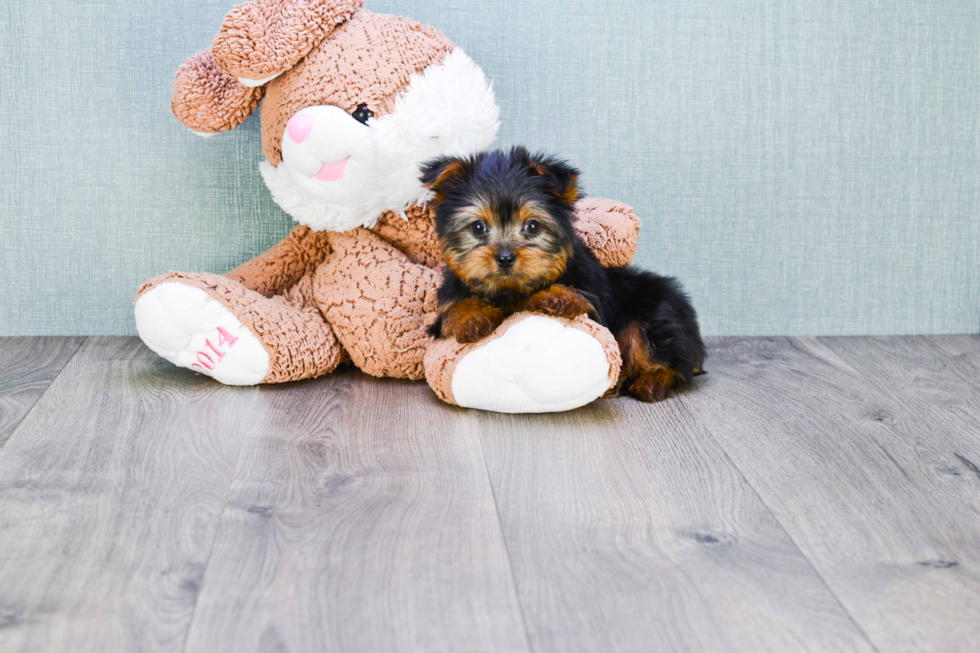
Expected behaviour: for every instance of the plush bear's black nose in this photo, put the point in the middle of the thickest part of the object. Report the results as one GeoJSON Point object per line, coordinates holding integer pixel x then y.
{"type": "Point", "coordinates": [505, 260]}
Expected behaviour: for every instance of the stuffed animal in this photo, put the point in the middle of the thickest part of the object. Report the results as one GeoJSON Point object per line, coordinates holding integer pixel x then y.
{"type": "Point", "coordinates": [353, 104]}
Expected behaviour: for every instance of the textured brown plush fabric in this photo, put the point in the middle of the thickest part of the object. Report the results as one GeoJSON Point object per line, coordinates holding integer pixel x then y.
{"type": "Point", "coordinates": [609, 228]}
{"type": "Point", "coordinates": [207, 100]}
{"type": "Point", "coordinates": [285, 325]}
{"type": "Point", "coordinates": [379, 302]}
{"type": "Point", "coordinates": [443, 355]}
{"type": "Point", "coordinates": [368, 60]}
{"type": "Point", "coordinates": [278, 269]}
{"type": "Point", "coordinates": [416, 236]}
{"type": "Point", "coordinates": [266, 37]}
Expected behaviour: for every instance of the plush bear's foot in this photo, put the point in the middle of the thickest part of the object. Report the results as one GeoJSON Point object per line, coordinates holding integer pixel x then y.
{"type": "Point", "coordinates": [530, 364]}
{"type": "Point", "coordinates": [191, 329]}
{"type": "Point", "coordinates": [215, 325]}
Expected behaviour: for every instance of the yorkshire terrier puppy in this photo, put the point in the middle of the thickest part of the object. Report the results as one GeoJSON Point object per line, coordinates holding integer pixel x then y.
{"type": "Point", "coordinates": [505, 225]}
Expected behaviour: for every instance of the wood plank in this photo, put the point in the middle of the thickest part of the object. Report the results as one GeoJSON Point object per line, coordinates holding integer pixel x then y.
{"type": "Point", "coordinates": [629, 530]}
{"type": "Point", "coordinates": [110, 494]}
{"type": "Point", "coordinates": [361, 519]}
{"type": "Point", "coordinates": [27, 368]}
{"type": "Point", "coordinates": [895, 543]}
{"type": "Point", "coordinates": [937, 401]}
{"type": "Point", "coordinates": [956, 345]}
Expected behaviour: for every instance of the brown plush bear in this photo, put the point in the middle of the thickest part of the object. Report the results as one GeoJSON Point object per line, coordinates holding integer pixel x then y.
{"type": "Point", "coordinates": [354, 102]}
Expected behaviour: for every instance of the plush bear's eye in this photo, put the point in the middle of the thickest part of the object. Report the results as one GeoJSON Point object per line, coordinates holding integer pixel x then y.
{"type": "Point", "coordinates": [362, 114]}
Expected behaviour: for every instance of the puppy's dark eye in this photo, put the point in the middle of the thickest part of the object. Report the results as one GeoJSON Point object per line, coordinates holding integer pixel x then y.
{"type": "Point", "coordinates": [362, 114]}
{"type": "Point", "coordinates": [478, 228]}
{"type": "Point", "coordinates": [532, 227]}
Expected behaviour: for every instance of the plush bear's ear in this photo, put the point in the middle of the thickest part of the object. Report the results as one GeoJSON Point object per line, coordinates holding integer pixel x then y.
{"type": "Point", "coordinates": [209, 101]}
{"type": "Point", "coordinates": [561, 178]}
{"type": "Point", "coordinates": [261, 39]}
{"type": "Point", "coordinates": [440, 174]}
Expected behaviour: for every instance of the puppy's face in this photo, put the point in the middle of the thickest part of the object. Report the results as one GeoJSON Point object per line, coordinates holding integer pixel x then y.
{"type": "Point", "coordinates": [493, 246]}
{"type": "Point", "coordinates": [504, 220]}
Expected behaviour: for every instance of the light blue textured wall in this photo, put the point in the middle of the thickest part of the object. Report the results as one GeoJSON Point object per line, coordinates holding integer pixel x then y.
{"type": "Point", "coordinates": [806, 167]}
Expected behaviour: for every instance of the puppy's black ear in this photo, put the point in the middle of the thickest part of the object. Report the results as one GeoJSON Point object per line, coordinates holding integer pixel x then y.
{"type": "Point", "coordinates": [439, 174]}
{"type": "Point", "coordinates": [561, 178]}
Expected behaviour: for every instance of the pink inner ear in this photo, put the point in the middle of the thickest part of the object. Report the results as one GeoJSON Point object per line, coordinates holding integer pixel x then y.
{"type": "Point", "coordinates": [299, 127]}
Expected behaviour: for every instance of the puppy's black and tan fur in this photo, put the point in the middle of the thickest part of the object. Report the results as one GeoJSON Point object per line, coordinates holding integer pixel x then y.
{"type": "Point", "coordinates": [505, 224]}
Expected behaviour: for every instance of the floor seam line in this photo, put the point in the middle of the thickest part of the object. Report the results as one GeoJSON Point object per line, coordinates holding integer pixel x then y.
{"type": "Point", "coordinates": [23, 419]}
{"type": "Point", "coordinates": [221, 515]}
{"type": "Point", "coordinates": [782, 526]}
{"type": "Point", "coordinates": [503, 539]}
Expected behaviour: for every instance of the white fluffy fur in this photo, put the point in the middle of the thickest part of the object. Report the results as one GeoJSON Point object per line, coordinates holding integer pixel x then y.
{"type": "Point", "coordinates": [448, 110]}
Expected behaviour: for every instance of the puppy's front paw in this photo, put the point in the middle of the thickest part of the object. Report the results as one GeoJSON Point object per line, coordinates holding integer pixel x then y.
{"type": "Point", "coordinates": [560, 301]}
{"type": "Point", "coordinates": [470, 320]}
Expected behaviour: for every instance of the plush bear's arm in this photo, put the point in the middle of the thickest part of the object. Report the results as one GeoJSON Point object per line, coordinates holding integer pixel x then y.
{"type": "Point", "coordinates": [609, 228]}
{"type": "Point", "coordinates": [415, 236]}
{"type": "Point", "coordinates": [279, 268]}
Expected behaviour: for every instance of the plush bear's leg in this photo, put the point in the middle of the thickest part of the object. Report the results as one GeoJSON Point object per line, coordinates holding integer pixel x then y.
{"type": "Point", "coordinates": [216, 326]}
{"type": "Point", "coordinates": [379, 303]}
{"type": "Point", "coordinates": [530, 364]}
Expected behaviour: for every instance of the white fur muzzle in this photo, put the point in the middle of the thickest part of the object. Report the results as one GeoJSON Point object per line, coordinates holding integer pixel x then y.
{"type": "Point", "coordinates": [339, 174]}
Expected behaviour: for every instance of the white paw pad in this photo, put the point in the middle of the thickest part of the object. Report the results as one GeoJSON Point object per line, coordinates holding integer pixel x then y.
{"type": "Point", "coordinates": [191, 329]}
{"type": "Point", "coordinates": [538, 366]}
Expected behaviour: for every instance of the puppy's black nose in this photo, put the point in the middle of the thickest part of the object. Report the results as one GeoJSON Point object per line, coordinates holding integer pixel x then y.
{"type": "Point", "coordinates": [505, 259]}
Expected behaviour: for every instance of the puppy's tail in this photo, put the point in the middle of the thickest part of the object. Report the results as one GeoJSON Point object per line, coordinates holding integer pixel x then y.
{"type": "Point", "coordinates": [659, 306]}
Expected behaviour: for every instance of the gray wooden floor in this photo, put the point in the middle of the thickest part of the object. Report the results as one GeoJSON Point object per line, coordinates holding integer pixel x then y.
{"type": "Point", "coordinates": [807, 495]}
